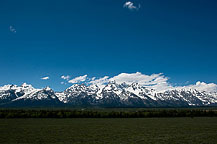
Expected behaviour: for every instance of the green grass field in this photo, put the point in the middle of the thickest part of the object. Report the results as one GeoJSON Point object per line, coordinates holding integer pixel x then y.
{"type": "Point", "coordinates": [111, 130]}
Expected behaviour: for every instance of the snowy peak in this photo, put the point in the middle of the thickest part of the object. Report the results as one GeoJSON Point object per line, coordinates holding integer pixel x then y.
{"type": "Point", "coordinates": [25, 92]}
{"type": "Point", "coordinates": [8, 87]}
{"type": "Point", "coordinates": [25, 85]}
{"type": "Point", "coordinates": [112, 86]}
{"type": "Point", "coordinates": [48, 89]}
{"type": "Point", "coordinates": [77, 88]}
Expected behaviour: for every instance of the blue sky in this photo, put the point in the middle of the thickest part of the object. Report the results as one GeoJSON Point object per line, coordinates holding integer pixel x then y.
{"type": "Point", "coordinates": [43, 38]}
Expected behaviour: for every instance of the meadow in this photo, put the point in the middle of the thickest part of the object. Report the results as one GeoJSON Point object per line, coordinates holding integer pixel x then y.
{"type": "Point", "coordinates": [176, 130]}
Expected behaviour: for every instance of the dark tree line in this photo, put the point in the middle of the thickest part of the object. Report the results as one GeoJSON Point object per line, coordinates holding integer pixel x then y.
{"type": "Point", "coordinates": [26, 113]}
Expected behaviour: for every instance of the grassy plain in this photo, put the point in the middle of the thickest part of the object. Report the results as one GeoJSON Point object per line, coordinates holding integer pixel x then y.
{"type": "Point", "coordinates": [198, 130]}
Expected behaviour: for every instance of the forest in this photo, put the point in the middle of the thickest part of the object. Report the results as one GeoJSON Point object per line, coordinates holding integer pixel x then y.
{"type": "Point", "coordinates": [105, 113]}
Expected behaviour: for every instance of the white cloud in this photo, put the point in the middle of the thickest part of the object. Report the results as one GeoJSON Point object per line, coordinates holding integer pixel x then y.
{"type": "Point", "coordinates": [93, 78]}
{"type": "Point", "coordinates": [131, 6]}
{"type": "Point", "coordinates": [155, 81]}
{"type": "Point", "coordinates": [201, 86]}
{"type": "Point", "coordinates": [78, 79]}
{"type": "Point", "coordinates": [63, 83]}
{"type": "Point", "coordinates": [65, 77]}
{"type": "Point", "coordinates": [12, 29]}
{"type": "Point", "coordinates": [100, 82]}
{"type": "Point", "coordinates": [139, 78]}
{"type": "Point", "coordinates": [158, 82]}
{"type": "Point", "coordinates": [45, 78]}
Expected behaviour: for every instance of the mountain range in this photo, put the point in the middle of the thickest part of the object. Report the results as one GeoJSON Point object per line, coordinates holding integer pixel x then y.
{"type": "Point", "coordinates": [110, 95]}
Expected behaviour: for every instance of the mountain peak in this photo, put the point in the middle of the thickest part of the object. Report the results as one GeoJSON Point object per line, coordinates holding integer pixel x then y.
{"type": "Point", "coordinates": [47, 88]}
{"type": "Point", "coordinates": [25, 85]}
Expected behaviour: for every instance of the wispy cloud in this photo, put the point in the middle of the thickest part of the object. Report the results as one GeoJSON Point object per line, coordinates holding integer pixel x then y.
{"type": "Point", "coordinates": [201, 86]}
{"type": "Point", "coordinates": [131, 6]}
{"type": "Point", "coordinates": [65, 77]}
{"type": "Point", "coordinates": [100, 82]}
{"type": "Point", "coordinates": [63, 83]}
{"type": "Point", "coordinates": [155, 81]}
{"type": "Point", "coordinates": [12, 29]}
{"type": "Point", "coordinates": [45, 78]}
{"type": "Point", "coordinates": [78, 79]}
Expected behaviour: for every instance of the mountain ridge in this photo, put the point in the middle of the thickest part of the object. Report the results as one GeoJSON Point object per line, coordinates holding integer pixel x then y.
{"type": "Point", "coordinates": [111, 94]}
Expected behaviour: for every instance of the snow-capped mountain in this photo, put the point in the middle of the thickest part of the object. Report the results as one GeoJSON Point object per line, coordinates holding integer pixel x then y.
{"type": "Point", "coordinates": [109, 95]}
{"type": "Point", "coordinates": [26, 95]}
